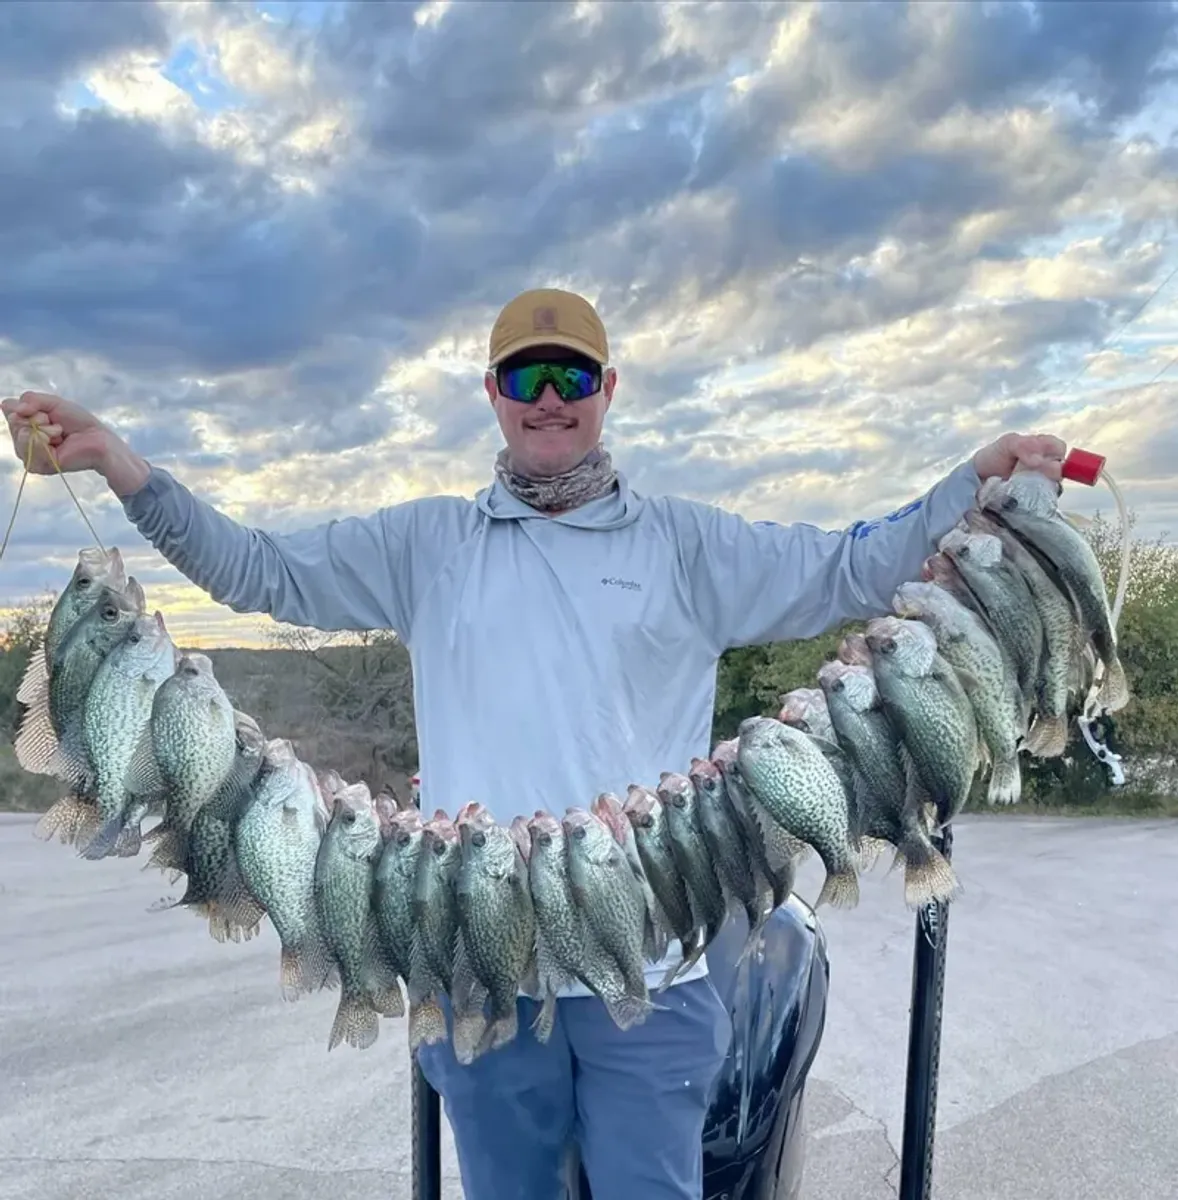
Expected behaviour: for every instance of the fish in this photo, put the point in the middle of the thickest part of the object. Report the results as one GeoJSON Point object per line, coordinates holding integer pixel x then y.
{"type": "Point", "coordinates": [612, 905]}
{"type": "Point", "coordinates": [652, 837]}
{"type": "Point", "coordinates": [215, 887]}
{"type": "Point", "coordinates": [1027, 504]}
{"type": "Point", "coordinates": [801, 791]}
{"type": "Point", "coordinates": [116, 711]}
{"type": "Point", "coordinates": [608, 809]}
{"type": "Point", "coordinates": [1060, 670]}
{"type": "Point", "coordinates": [727, 843]}
{"type": "Point", "coordinates": [967, 645]}
{"type": "Point", "coordinates": [185, 754]}
{"type": "Point", "coordinates": [496, 938]}
{"type": "Point", "coordinates": [343, 887]}
{"type": "Point", "coordinates": [276, 843]}
{"type": "Point", "coordinates": [853, 649]}
{"type": "Point", "coordinates": [392, 892]}
{"type": "Point", "coordinates": [560, 924]}
{"type": "Point", "coordinates": [1003, 598]}
{"type": "Point", "coordinates": [51, 738]}
{"type": "Point", "coordinates": [891, 808]}
{"type": "Point", "coordinates": [709, 907]}
{"type": "Point", "coordinates": [435, 930]}
{"type": "Point", "coordinates": [95, 568]}
{"type": "Point", "coordinates": [805, 709]}
{"type": "Point", "coordinates": [929, 708]}
{"type": "Point", "coordinates": [775, 850]}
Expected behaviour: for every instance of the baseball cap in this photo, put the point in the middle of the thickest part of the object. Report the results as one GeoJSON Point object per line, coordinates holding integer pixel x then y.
{"type": "Point", "coordinates": [548, 317]}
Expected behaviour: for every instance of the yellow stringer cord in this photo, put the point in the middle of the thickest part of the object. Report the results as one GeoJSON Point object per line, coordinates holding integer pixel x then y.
{"type": "Point", "coordinates": [34, 433]}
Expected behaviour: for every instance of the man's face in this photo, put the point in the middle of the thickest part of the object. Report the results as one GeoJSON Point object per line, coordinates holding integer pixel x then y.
{"type": "Point", "coordinates": [550, 435]}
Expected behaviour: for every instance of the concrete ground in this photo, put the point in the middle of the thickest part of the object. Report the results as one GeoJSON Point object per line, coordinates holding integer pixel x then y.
{"type": "Point", "coordinates": [140, 1059]}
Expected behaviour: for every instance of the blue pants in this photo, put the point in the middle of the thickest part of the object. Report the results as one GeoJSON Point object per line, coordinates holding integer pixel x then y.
{"type": "Point", "coordinates": [635, 1102]}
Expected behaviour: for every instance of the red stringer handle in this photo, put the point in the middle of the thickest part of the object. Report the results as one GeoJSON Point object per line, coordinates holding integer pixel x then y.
{"type": "Point", "coordinates": [1082, 466]}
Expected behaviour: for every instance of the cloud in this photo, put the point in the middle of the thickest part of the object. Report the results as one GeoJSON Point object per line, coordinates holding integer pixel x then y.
{"type": "Point", "coordinates": [837, 246]}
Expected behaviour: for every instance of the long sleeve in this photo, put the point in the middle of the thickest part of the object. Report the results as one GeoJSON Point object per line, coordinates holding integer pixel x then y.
{"type": "Point", "coordinates": [758, 582]}
{"type": "Point", "coordinates": [354, 574]}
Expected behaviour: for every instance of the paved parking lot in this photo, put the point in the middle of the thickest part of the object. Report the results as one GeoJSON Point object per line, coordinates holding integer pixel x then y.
{"type": "Point", "coordinates": [140, 1059]}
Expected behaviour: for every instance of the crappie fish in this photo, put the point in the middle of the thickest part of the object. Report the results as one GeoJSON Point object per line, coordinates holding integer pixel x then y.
{"type": "Point", "coordinates": [726, 841]}
{"type": "Point", "coordinates": [276, 842]}
{"type": "Point", "coordinates": [185, 754]}
{"type": "Point", "coordinates": [681, 804]}
{"type": "Point", "coordinates": [435, 925]}
{"type": "Point", "coordinates": [968, 646]}
{"type": "Point", "coordinates": [775, 850]}
{"type": "Point", "coordinates": [1060, 671]}
{"type": "Point", "coordinates": [116, 711]}
{"type": "Point", "coordinates": [51, 737]}
{"type": "Point", "coordinates": [344, 867]}
{"type": "Point", "coordinates": [652, 835]}
{"type": "Point", "coordinates": [392, 893]}
{"type": "Point", "coordinates": [611, 902]}
{"type": "Point", "coordinates": [890, 807]}
{"type": "Point", "coordinates": [929, 709]}
{"type": "Point", "coordinates": [1004, 599]}
{"type": "Point", "coordinates": [805, 709]}
{"type": "Point", "coordinates": [560, 924]}
{"type": "Point", "coordinates": [94, 569]}
{"type": "Point", "coordinates": [497, 933]}
{"type": "Point", "coordinates": [216, 889]}
{"type": "Point", "coordinates": [801, 791]}
{"type": "Point", "coordinates": [1026, 504]}
{"type": "Point", "coordinates": [608, 809]}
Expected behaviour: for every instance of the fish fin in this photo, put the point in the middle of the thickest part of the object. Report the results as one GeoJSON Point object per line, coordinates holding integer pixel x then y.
{"type": "Point", "coordinates": [130, 841]}
{"type": "Point", "coordinates": [306, 966]}
{"type": "Point", "coordinates": [548, 977]}
{"type": "Point", "coordinates": [71, 818]}
{"type": "Point", "coordinates": [840, 889]}
{"type": "Point", "coordinates": [499, 1032]}
{"type": "Point", "coordinates": [545, 1019]}
{"type": "Point", "coordinates": [37, 742]}
{"type": "Point", "coordinates": [427, 1024]}
{"type": "Point", "coordinates": [356, 1022]}
{"type": "Point", "coordinates": [171, 851]}
{"type": "Point", "coordinates": [1005, 781]}
{"type": "Point", "coordinates": [1114, 688]}
{"type": "Point", "coordinates": [35, 680]}
{"type": "Point", "coordinates": [382, 984]}
{"type": "Point", "coordinates": [870, 849]}
{"type": "Point", "coordinates": [142, 777]}
{"type": "Point", "coordinates": [105, 841]}
{"type": "Point", "coordinates": [471, 1030]}
{"type": "Point", "coordinates": [234, 915]}
{"type": "Point", "coordinates": [1047, 737]}
{"type": "Point", "coordinates": [928, 875]}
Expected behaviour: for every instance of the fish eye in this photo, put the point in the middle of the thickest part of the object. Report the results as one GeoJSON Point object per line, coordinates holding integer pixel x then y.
{"type": "Point", "coordinates": [348, 817]}
{"type": "Point", "coordinates": [838, 686]}
{"type": "Point", "coordinates": [134, 639]}
{"type": "Point", "coordinates": [110, 612]}
{"type": "Point", "coordinates": [478, 838]}
{"type": "Point", "coordinates": [1009, 503]}
{"type": "Point", "coordinates": [888, 647]}
{"type": "Point", "coordinates": [439, 847]}
{"type": "Point", "coordinates": [403, 838]}
{"type": "Point", "coordinates": [83, 583]}
{"type": "Point", "coordinates": [579, 832]}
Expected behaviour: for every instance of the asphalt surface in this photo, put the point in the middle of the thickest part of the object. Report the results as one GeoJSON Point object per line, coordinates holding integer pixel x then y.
{"type": "Point", "coordinates": [140, 1059]}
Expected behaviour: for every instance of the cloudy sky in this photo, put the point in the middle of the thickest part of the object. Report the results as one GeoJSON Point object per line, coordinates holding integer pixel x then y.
{"type": "Point", "coordinates": [837, 247]}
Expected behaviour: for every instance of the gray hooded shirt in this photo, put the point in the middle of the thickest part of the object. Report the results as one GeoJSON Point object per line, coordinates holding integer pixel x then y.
{"type": "Point", "coordinates": [554, 658]}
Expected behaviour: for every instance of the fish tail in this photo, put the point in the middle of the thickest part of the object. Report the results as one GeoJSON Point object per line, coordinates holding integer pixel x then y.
{"type": "Point", "coordinates": [356, 1022]}
{"type": "Point", "coordinates": [628, 1011]}
{"type": "Point", "coordinates": [235, 915]}
{"type": "Point", "coordinates": [928, 875]}
{"type": "Point", "coordinates": [1114, 690]}
{"type": "Point", "coordinates": [472, 1032]}
{"type": "Point", "coordinates": [545, 1020]}
{"type": "Point", "coordinates": [1006, 782]}
{"type": "Point", "coordinates": [1048, 736]}
{"type": "Point", "coordinates": [840, 889]}
{"type": "Point", "coordinates": [71, 818]}
{"type": "Point", "coordinates": [388, 999]}
{"type": "Point", "coordinates": [130, 841]}
{"type": "Point", "coordinates": [427, 1024]}
{"type": "Point", "coordinates": [500, 1031]}
{"type": "Point", "coordinates": [105, 842]}
{"type": "Point", "coordinates": [870, 849]}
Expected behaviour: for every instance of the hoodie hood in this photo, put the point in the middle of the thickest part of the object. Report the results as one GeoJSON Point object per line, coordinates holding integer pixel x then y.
{"type": "Point", "coordinates": [619, 507]}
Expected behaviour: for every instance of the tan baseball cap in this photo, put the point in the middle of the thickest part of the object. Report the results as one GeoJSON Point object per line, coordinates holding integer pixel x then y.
{"type": "Point", "coordinates": [548, 317]}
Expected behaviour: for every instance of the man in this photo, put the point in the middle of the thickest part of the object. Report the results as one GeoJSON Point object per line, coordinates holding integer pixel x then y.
{"type": "Point", "coordinates": [564, 633]}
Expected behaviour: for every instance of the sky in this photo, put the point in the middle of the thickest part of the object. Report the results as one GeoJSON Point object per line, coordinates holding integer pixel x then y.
{"type": "Point", "coordinates": [837, 247]}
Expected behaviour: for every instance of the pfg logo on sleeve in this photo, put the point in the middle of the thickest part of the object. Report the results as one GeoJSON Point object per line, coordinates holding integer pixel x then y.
{"type": "Point", "coordinates": [862, 529]}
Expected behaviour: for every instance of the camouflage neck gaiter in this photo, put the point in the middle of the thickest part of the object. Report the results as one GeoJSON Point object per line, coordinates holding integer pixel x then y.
{"type": "Point", "coordinates": [594, 476]}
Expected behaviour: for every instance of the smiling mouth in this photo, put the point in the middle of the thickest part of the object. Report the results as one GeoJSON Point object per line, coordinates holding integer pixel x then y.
{"type": "Point", "coordinates": [549, 428]}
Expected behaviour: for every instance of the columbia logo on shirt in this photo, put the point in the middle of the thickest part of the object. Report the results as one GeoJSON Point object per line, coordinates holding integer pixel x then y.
{"type": "Point", "coordinates": [613, 581]}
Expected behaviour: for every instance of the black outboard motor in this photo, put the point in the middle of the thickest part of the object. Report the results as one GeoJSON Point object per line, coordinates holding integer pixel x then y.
{"type": "Point", "coordinates": [753, 1140]}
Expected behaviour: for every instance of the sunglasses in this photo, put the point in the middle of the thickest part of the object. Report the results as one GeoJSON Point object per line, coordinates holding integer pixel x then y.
{"type": "Point", "coordinates": [526, 382]}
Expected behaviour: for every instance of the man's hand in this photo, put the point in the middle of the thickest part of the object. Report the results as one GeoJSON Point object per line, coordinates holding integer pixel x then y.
{"type": "Point", "coordinates": [78, 439]}
{"type": "Point", "coordinates": [1035, 452]}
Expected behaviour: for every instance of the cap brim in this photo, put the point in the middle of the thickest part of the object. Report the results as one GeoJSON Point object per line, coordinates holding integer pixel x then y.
{"type": "Point", "coordinates": [550, 339]}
